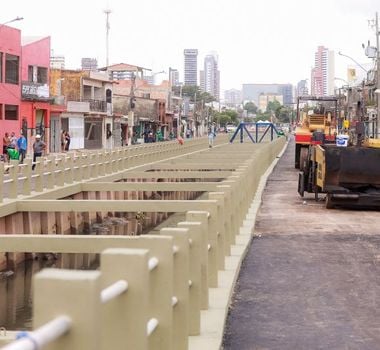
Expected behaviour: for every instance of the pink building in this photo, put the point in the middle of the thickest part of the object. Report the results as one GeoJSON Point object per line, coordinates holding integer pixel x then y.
{"type": "Point", "coordinates": [10, 80]}
{"type": "Point", "coordinates": [24, 89]}
{"type": "Point", "coordinates": [35, 104]}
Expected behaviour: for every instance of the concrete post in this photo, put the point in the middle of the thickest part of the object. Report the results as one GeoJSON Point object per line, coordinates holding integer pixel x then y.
{"type": "Point", "coordinates": [202, 217]}
{"type": "Point", "coordinates": [180, 285]}
{"type": "Point", "coordinates": [13, 174]}
{"type": "Point", "coordinates": [195, 235]}
{"type": "Point", "coordinates": [75, 294]}
{"type": "Point", "coordinates": [223, 246]}
{"type": "Point", "coordinates": [27, 173]}
{"type": "Point", "coordinates": [125, 318]}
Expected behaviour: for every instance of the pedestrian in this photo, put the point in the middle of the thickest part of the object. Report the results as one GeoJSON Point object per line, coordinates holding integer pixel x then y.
{"type": "Point", "coordinates": [6, 143]}
{"type": "Point", "coordinates": [63, 140]}
{"type": "Point", "coordinates": [211, 135]}
{"type": "Point", "coordinates": [22, 146]}
{"type": "Point", "coordinates": [38, 147]}
{"type": "Point", "coordinates": [67, 141]}
{"type": "Point", "coordinates": [13, 140]}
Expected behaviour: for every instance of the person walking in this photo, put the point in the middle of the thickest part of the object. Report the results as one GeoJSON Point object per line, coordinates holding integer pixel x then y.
{"type": "Point", "coordinates": [211, 135]}
{"type": "Point", "coordinates": [22, 146]}
{"type": "Point", "coordinates": [38, 147]}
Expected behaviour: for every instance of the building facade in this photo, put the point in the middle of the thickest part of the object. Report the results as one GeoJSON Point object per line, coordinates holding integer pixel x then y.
{"type": "Point", "coordinates": [57, 62]}
{"type": "Point", "coordinates": [10, 82]}
{"type": "Point", "coordinates": [35, 95]}
{"type": "Point", "coordinates": [264, 99]}
{"type": "Point", "coordinates": [89, 63]}
{"type": "Point", "coordinates": [173, 77]}
{"type": "Point", "coordinates": [24, 86]}
{"type": "Point", "coordinates": [302, 89]}
{"type": "Point", "coordinates": [191, 66]}
{"type": "Point", "coordinates": [211, 76]}
{"type": "Point", "coordinates": [251, 92]}
{"type": "Point", "coordinates": [322, 75]}
{"type": "Point", "coordinates": [233, 97]}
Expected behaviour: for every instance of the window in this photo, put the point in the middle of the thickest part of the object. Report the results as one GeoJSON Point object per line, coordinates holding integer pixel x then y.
{"type": "Point", "coordinates": [37, 74]}
{"type": "Point", "coordinates": [11, 69]}
{"type": "Point", "coordinates": [11, 112]}
{"type": "Point", "coordinates": [42, 75]}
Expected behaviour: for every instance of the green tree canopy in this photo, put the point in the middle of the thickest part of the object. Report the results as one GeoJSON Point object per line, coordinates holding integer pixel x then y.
{"type": "Point", "coordinates": [194, 93]}
{"type": "Point", "coordinates": [250, 107]}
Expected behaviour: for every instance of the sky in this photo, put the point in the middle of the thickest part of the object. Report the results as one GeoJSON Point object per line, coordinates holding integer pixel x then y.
{"type": "Point", "coordinates": [266, 41]}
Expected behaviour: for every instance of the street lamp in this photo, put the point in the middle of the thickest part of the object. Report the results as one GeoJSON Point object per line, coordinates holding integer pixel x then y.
{"type": "Point", "coordinates": [356, 62]}
{"type": "Point", "coordinates": [12, 20]}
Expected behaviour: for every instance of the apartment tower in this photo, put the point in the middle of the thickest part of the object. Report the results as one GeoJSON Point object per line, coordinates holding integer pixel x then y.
{"type": "Point", "coordinates": [211, 74]}
{"type": "Point", "coordinates": [322, 75]}
{"type": "Point", "coordinates": [191, 66]}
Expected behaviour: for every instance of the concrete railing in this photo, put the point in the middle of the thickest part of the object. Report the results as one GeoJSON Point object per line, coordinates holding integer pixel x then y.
{"type": "Point", "coordinates": [59, 170]}
{"type": "Point", "coordinates": [150, 290]}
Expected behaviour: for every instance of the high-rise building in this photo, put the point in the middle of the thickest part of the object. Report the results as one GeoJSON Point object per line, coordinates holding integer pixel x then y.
{"type": "Point", "coordinates": [89, 64]}
{"type": "Point", "coordinates": [322, 75]}
{"type": "Point", "coordinates": [174, 77]}
{"type": "Point", "coordinates": [57, 62]}
{"type": "Point", "coordinates": [302, 89]}
{"type": "Point", "coordinates": [211, 76]}
{"type": "Point", "coordinates": [232, 97]}
{"type": "Point", "coordinates": [202, 80]}
{"type": "Point", "coordinates": [191, 66]}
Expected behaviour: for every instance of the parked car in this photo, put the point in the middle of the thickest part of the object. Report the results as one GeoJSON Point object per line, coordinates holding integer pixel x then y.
{"type": "Point", "coordinates": [231, 128]}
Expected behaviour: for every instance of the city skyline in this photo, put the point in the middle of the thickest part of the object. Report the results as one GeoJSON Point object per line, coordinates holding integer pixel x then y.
{"type": "Point", "coordinates": [270, 47]}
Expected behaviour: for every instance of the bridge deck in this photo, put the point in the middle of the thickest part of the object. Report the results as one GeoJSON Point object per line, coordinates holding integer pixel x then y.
{"type": "Point", "coordinates": [310, 279]}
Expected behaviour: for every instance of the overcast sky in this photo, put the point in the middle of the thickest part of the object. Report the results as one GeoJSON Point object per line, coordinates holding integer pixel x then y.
{"type": "Point", "coordinates": [266, 41]}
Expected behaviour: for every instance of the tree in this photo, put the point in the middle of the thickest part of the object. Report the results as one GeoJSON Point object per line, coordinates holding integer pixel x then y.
{"type": "Point", "coordinates": [194, 93]}
{"type": "Point", "coordinates": [250, 107]}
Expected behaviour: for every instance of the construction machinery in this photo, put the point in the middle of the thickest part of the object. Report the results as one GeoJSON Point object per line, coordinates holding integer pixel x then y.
{"type": "Point", "coordinates": [348, 169]}
{"type": "Point", "coordinates": [314, 114]}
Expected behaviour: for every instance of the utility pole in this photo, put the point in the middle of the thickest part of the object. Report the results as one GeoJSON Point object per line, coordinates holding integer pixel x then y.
{"type": "Point", "coordinates": [131, 114]}
{"type": "Point", "coordinates": [378, 73]}
{"type": "Point", "coordinates": [107, 12]}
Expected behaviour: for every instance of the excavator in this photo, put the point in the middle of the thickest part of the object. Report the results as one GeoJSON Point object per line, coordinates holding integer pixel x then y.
{"type": "Point", "coordinates": [342, 158]}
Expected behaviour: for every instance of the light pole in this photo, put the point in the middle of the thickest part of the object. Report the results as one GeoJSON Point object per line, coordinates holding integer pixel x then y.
{"type": "Point", "coordinates": [377, 73]}
{"type": "Point", "coordinates": [12, 20]}
{"type": "Point", "coordinates": [356, 62]}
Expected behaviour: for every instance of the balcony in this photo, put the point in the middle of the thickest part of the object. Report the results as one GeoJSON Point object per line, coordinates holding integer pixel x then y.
{"type": "Point", "coordinates": [86, 106]}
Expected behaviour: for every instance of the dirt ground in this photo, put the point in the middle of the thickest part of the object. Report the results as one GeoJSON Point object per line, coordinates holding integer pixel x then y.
{"type": "Point", "coordinates": [311, 277]}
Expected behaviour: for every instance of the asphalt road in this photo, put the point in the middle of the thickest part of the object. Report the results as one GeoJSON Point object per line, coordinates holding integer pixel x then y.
{"type": "Point", "coordinates": [311, 277]}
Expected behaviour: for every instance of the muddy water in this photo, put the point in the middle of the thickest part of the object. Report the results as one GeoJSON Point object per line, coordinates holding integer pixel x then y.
{"type": "Point", "coordinates": [16, 289]}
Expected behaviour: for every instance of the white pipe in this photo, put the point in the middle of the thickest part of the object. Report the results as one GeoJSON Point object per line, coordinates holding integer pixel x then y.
{"type": "Point", "coordinates": [152, 263]}
{"type": "Point", "coordinates": [113, 291]}
{"type": "Point", "coordinates": [174, 301]}
{"type": "Point", "coordinates": [42, 336]}
{"type": "Point", "coordinates": [190, 283]}
{"type": "Point", "coordinates": [151, 326]}
{"type": "Point", "coordinates": [209, 247]}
